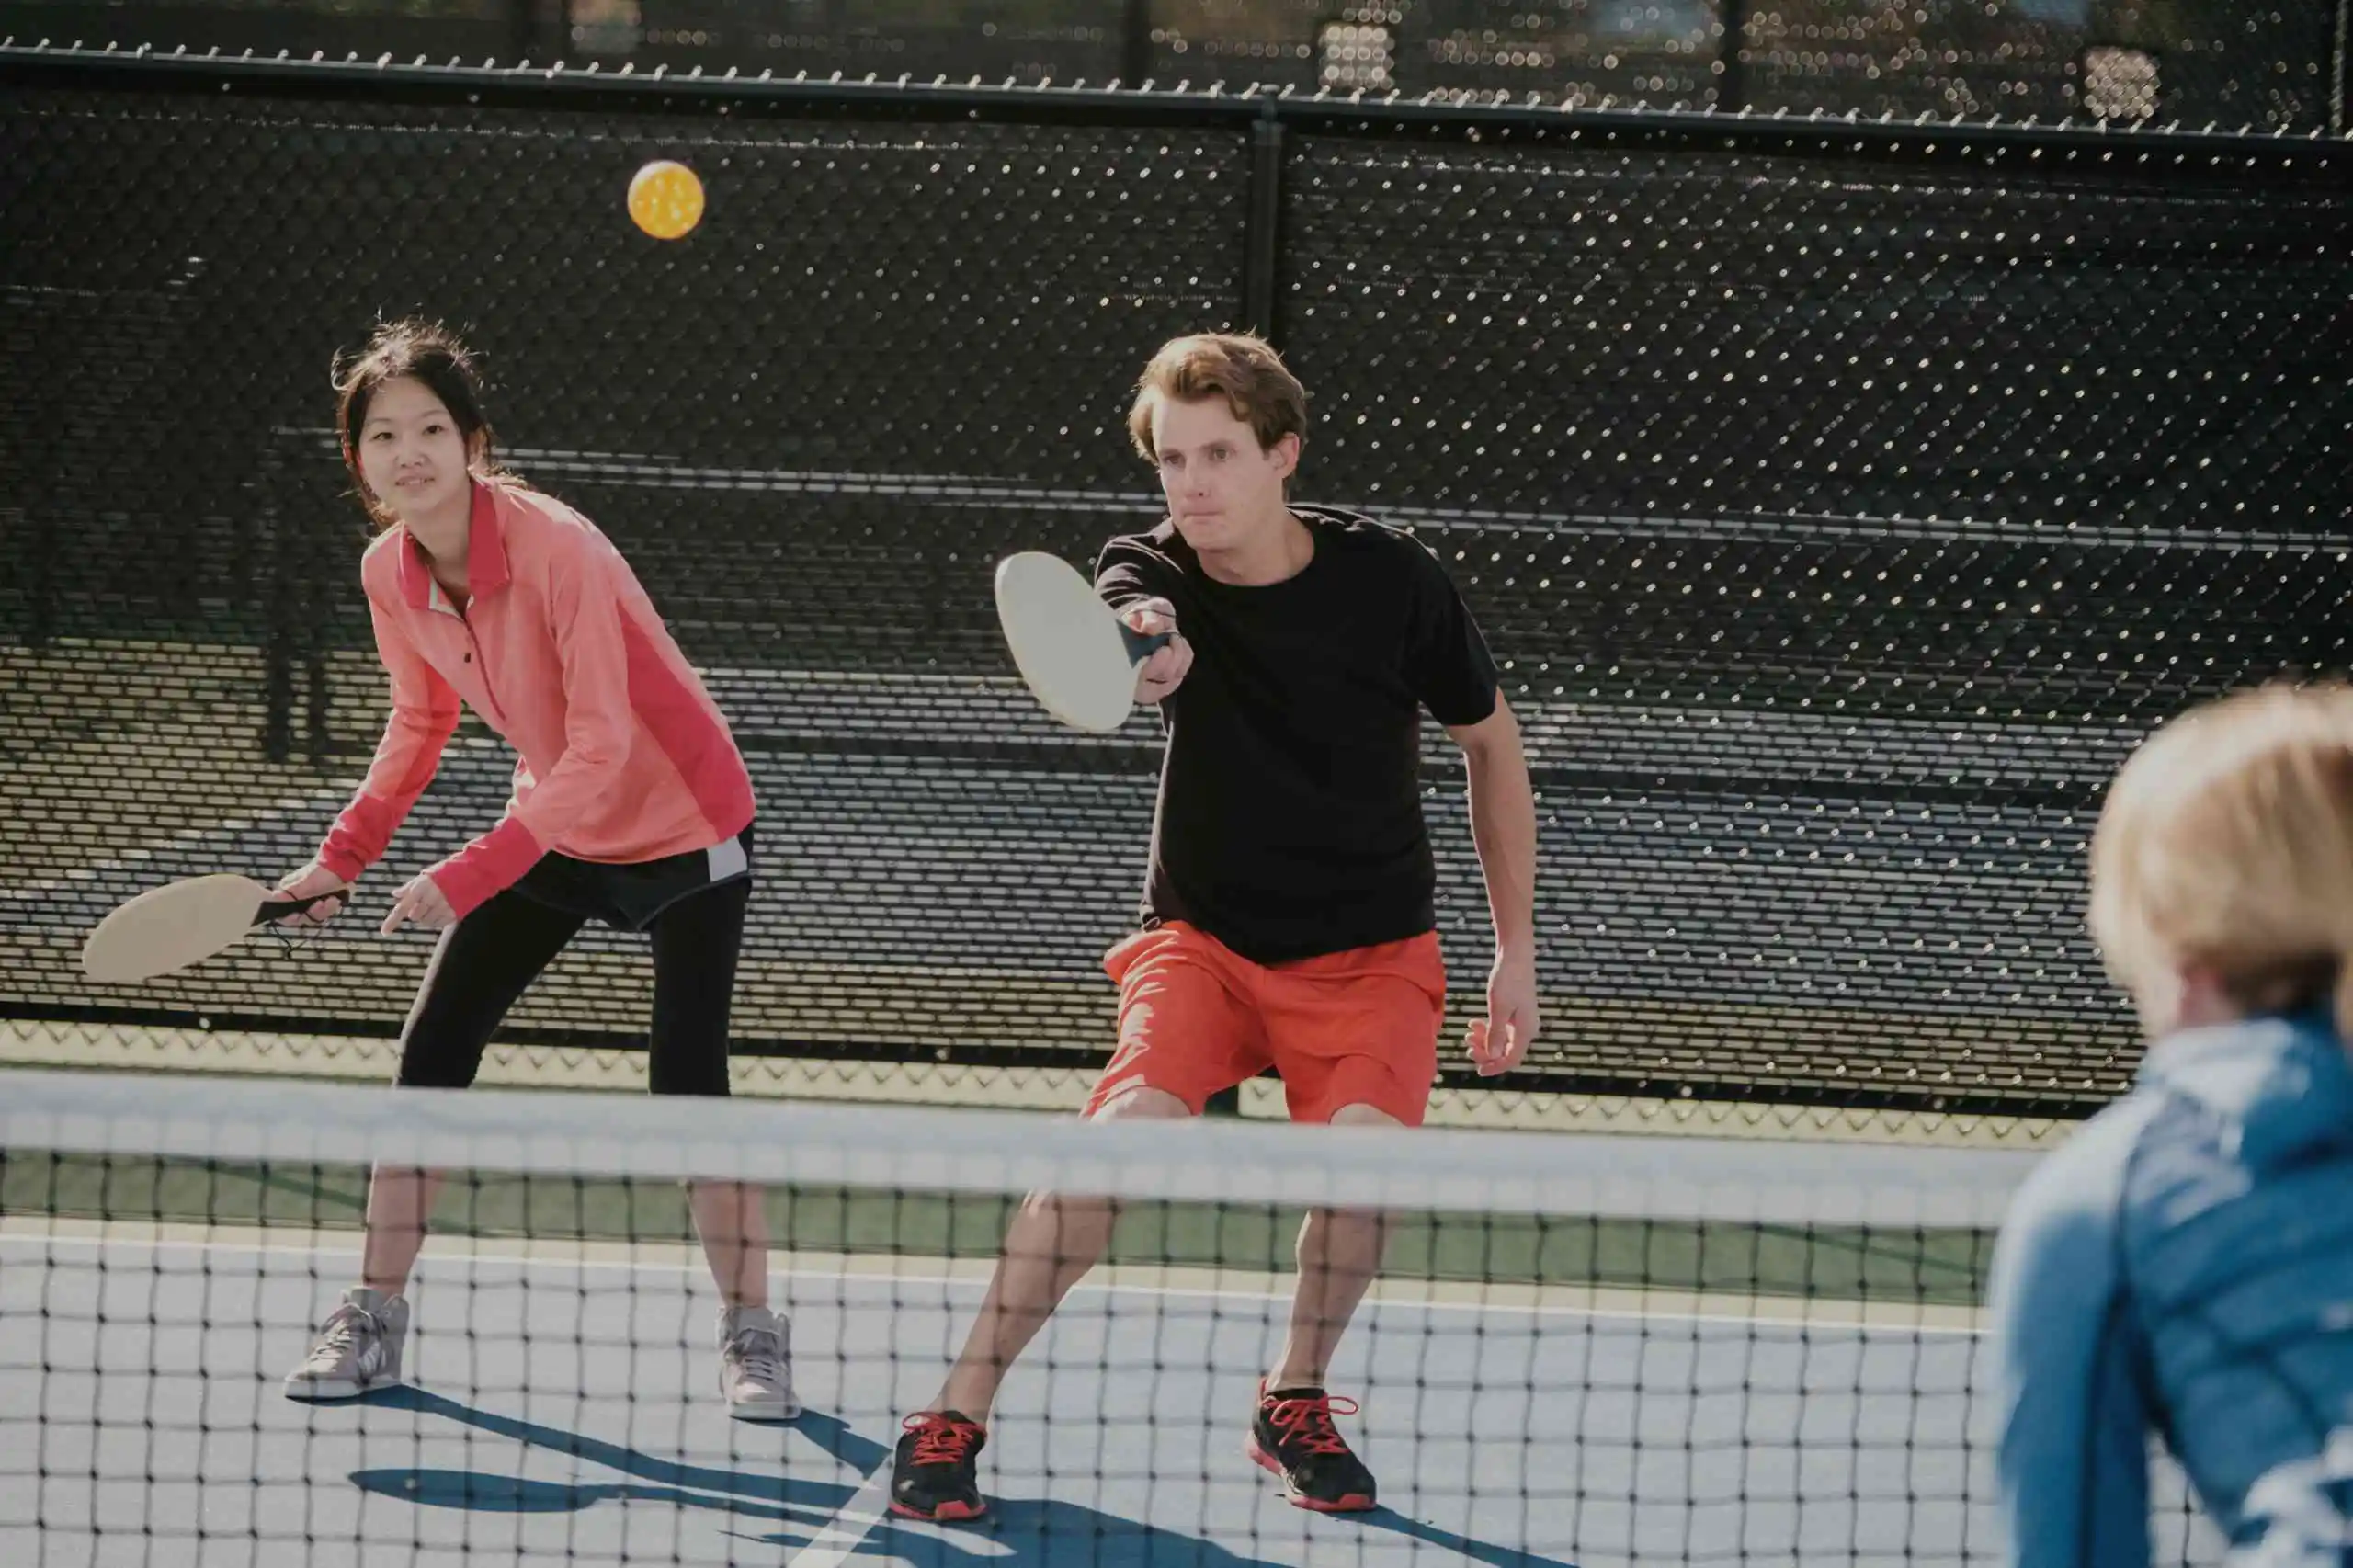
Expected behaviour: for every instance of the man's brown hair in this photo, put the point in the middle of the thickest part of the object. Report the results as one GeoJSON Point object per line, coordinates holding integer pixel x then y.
{"type": "Point", "coordinates": [1238, 367]}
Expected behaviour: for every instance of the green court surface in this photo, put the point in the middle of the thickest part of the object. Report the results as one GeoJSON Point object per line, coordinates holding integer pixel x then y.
{"type": "Point", "coordinates": [1841, 1265]}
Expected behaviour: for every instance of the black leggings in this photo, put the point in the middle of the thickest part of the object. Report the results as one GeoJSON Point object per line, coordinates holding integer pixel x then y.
{"type": "Point", "coordinates": [487, 960]}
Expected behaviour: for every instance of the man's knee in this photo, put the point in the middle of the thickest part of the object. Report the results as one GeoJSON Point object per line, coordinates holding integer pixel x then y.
{"type": "Point", "coordinates": [1375, 1221]}
{"type": "Point", "coordinates": [1062, 1228]}
{"type": "Point", "coordinates": [1079, 1215]}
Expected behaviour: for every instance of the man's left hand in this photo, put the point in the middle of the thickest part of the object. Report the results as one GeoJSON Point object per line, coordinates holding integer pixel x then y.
{"type": "Point", "coordinates": [1498, 1042]}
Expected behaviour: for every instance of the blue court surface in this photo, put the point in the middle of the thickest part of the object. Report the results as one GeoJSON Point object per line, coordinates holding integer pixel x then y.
{"type": "Point", "coordinates": [563, 1409]}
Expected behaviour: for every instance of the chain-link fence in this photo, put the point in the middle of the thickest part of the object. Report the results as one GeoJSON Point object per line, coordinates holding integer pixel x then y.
{"type": "Point", "coordinates": [1842, 504]}
{"type": "Point", "coordinates": [2195, 63]}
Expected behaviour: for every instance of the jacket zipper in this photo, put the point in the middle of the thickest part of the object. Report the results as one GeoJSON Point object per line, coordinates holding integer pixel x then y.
{"type": "Point", "coordinates": [473, 657]}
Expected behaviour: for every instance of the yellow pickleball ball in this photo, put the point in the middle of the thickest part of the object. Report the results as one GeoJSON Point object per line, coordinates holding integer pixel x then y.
{"type": "Point", "coordinates": [666, 200]}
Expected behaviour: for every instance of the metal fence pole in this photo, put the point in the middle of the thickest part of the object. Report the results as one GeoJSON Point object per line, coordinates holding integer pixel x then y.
{"type": "Point", "coordinates": [40, 527]}
{"type": "Point", "coordinates": [2340, 97]}
{"type": "Point", "coordinates": [280, 604]}
{"type": "Point", "coordinates": [1731, 80]}
{"type": "Point", "coordinates": [1261, 281]}
{"type": "Point", "coordinates": [1135, 43]}
{"type": "Point", "coordinates": [1262, 244]}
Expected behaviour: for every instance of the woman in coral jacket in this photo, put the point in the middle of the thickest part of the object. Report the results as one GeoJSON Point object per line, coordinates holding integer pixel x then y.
{"type": "Point", "coordinates": [632, 806]}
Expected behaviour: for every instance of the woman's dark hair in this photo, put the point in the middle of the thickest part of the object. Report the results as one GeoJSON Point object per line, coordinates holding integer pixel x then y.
{"type": "Point", "coordinates": [422, 351]}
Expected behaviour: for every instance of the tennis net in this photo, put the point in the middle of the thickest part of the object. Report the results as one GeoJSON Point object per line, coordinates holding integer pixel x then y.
{"type": "Point", "coordinates": [1583, 1350]}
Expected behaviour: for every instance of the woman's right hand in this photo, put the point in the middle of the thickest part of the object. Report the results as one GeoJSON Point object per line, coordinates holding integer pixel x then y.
{"type": "Point", "coordinates": [309, 882]}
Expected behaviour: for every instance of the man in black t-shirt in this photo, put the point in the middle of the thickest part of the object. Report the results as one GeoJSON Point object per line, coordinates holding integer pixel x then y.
{"type": "Point", "coordinates": [1288, 917]}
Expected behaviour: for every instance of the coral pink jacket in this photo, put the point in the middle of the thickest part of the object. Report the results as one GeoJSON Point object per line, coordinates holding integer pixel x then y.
{"type": "Point", "coordinates": [623, 755]}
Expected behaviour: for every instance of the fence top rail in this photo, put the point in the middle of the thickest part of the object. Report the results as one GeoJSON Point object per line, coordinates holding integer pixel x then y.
{"type": "Point", "coordinates": [1494, 117]}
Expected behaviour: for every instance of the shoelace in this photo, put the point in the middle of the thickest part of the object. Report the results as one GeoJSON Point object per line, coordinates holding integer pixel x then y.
{"type": "Point", "coordinates": [760, 1352]}
{"type": "Point", "coordinates": [1307, 1423]}
{"type": "Point", "coordinates": [345, 1326]}
{"type": "Point", "coordinates": [941, 1441]}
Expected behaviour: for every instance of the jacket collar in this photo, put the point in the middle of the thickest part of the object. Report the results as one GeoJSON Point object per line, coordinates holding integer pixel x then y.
{"type": "Point", "coordinates": [486, 570]}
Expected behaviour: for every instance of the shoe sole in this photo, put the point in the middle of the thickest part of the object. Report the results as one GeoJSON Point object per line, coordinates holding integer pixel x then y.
{"type": "Point", "coordinates": [945, 1514]}
{"type": "Point", "coordinates": [1354, 1503]}
{"type": "Point", "coordinates": [330, 1393]}
{"type": "Point", "coordinates": [771, 1413]}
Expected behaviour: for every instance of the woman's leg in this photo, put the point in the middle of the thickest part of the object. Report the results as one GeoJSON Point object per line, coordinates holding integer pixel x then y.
{"type": "Point", "coordinates": [696, 943]}
{"type": "Point", "coordinates": [481, 965]}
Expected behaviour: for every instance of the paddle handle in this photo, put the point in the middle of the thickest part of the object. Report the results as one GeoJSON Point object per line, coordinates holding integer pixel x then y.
{"type": "Point", "coordinates": [278, 910]}
{"type": "Point", "coordinates": [1143, 646]}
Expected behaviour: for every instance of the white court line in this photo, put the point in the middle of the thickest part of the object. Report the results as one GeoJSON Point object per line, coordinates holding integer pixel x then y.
{"type": "Point", "coordinates": [830, 1547]}
{"type": "Point", "coordinates": [1973, 1327]}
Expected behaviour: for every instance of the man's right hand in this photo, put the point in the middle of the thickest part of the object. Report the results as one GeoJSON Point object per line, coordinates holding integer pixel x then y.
{"type": "Point", "coordinates": [1160, 673]}
{"type": "Point", "coordinates": [308, 882]}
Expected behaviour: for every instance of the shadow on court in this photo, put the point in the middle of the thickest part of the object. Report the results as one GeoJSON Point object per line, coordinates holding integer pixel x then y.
{"type": "Point", "coordinates": [1017, 1533]}
{"type": "Point", "coordinates": [1029, 1531]}
{"type": "Point", "coordinates": [653, 1480]}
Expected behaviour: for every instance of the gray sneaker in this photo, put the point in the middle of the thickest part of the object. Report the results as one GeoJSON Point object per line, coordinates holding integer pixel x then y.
{"type": "Point", "coordinates": [359, 1348]}
{"type": "Point", "coordinates": [755, 1365]}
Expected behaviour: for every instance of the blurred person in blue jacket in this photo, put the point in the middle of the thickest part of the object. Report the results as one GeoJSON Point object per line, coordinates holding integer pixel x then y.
{"type": "Point", "coordinates": [2183, 1266]}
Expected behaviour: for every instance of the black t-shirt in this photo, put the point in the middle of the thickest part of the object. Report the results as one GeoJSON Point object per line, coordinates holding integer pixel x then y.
{"type": "Point", "coordinates": [1290, 818]}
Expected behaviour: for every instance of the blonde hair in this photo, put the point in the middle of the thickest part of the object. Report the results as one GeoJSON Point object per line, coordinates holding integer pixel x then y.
{"type": "Point", "coordinates": [1239, 366]}
{"type": "Point", "coordinates": [2226, 845]}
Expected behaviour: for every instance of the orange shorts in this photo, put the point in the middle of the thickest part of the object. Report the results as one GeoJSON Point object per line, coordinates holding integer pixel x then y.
{"type": "Point", "coordinates": [1356, 1028]}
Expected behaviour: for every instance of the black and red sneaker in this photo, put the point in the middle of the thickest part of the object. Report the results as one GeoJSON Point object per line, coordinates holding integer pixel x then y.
{"type": "Point", "coordinates": [935, 1475]}
{"type": "Point", "coordinates": [1292, 1434]}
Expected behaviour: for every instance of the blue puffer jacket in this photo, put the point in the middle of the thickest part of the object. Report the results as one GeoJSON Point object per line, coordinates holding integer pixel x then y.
{"type": "Point", "coordinates": [2184, 1266]}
